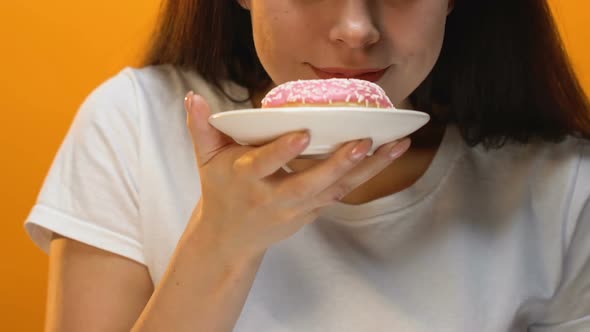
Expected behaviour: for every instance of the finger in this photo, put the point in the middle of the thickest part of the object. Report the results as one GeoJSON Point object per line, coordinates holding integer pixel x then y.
{"type": "Point", "coordinates": [207, 140]}
{"type": "Point", "coordinates": [269, 158]}
{"type": "Point", "coordinates": [312, 181]}
{"type": "Point", "coordinates": [362, 173]}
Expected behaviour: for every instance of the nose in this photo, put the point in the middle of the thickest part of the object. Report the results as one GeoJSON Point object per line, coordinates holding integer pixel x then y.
{"type": "Point", "coordinates": [355, 26]}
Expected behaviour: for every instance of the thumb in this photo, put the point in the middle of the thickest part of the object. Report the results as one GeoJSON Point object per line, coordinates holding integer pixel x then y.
{"type": "Point", "coordinates": [207, 140]}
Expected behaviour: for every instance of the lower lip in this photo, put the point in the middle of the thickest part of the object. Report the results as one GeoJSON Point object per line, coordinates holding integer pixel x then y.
{"type": "Point", "coordinates": [372, 77]}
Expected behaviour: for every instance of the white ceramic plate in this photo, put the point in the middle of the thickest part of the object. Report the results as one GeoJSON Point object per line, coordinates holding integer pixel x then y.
{"type": "Point", "coordinates": [329, 127]}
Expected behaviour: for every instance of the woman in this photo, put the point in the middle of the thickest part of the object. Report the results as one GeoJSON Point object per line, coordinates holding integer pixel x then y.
{"type": "Point", "coordinates": [158, 222]}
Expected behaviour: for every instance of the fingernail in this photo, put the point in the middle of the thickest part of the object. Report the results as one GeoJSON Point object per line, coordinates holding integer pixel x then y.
{"type": "Point", "coordinates": [399, 148]}
{"type": "Point", "coordinates": [361, 149]}
{"type": "Point", "coordinates": [188, 100]}
{"type": "Point", "coordinates": [300, 140]}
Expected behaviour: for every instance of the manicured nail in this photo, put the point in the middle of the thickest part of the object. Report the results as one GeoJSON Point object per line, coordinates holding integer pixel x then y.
{"type": "Point", "coordinates": [399, 148]}
{"type": "Point", "coordinates": [188, 100]}
{"type": "Point", "coordinates": [361, 149]}
{"type": "Point", "coordinates": [300, 140]}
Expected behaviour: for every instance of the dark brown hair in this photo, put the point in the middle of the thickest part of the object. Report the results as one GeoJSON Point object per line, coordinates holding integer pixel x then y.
{"type": "Point", "coordinates": [502, 75]}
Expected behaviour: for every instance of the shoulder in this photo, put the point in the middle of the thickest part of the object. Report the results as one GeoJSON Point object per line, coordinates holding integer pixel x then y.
{"type": "Point", "coordinates": [150, 82]}
{"type": "Point", "coordinates": [166, 84]}
{"type": "Point", "coordinates": [547, 175]}
{"type": "Point", "coordinates": [158, 82]}
{"type": "Point", "coordinates": [534, 157]}
{"type": "Point", "coordinates": [554, 176]}
{"type": "Point", "coordinates": [152, 93]}
{"type": "Point", "coordinates": [580, 195]}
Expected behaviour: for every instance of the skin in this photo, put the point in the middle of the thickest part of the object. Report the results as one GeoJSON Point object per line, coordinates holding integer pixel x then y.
{"type": "Point", "coordinates": [95, 290]}
{"type": "Point", "coordinates": [404, 35]}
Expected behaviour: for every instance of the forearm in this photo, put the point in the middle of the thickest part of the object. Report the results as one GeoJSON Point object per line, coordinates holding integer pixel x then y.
{"type": "Point", "coordinates": [200, 291]}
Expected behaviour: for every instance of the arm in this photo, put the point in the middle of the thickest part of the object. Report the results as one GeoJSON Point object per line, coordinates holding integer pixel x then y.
{"type": "Point", "coordinates": [94, 290]}
{"type": "Point", "coordinates": [569, 309]}
{"type": "Point", "coordinates": [193, 298]}
{"type": "Point", "coordinates": [216, 260]}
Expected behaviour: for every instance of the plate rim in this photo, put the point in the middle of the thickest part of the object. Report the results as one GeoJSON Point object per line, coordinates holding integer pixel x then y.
{"type": "Point", "coordinates": [218, 119]}
{"type": "Point", "coordinates": [306, 109]}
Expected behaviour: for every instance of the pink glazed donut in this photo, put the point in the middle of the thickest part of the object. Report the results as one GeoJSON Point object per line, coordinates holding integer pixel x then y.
{"type": "Point", "coordinates": [329, 92]}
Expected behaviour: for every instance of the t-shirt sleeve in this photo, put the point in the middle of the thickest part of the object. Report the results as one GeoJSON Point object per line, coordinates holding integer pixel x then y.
{"type": "Point", "coordinates": [90, 193]}
{"type": "Point", "coordinates": [569, 310]}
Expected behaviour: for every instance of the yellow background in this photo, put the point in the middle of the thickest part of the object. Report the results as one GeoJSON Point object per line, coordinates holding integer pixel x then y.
{"type": "Point", "coordinates": [53, 54]}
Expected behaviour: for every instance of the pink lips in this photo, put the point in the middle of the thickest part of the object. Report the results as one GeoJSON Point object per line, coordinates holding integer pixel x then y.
{"type": "Point", "coordinates": [369, 74]}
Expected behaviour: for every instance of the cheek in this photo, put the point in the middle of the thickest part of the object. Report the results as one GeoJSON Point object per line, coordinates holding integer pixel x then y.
{"type": "Point", "coordinates": [420, 32]}
{"type": "Point", "coordinates": [264, 34]}
{"type": "Point", "coordinates": [416, 43]}
{"type": "Point", "coordinates": [279, 36]}
{"type": "Point", "coordinates": [427, 46]}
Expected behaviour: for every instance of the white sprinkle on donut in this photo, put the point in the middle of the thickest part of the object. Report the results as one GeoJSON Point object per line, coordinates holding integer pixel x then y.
{"type": "Point", "coordinates": [326, 92]}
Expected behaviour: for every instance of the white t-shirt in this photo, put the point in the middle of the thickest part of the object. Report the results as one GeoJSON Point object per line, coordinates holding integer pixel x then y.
{"type": "Point", "coordinates": [485, 241]}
